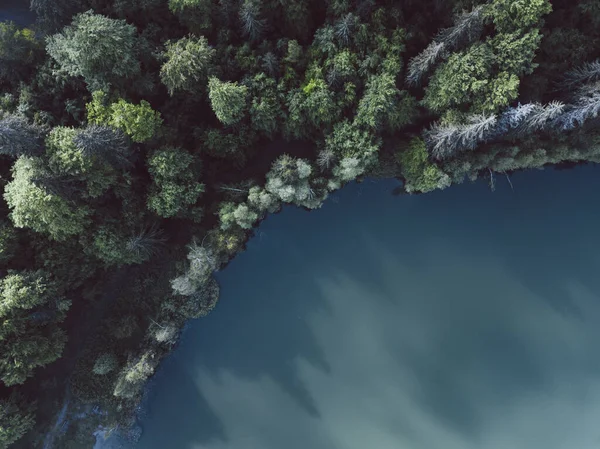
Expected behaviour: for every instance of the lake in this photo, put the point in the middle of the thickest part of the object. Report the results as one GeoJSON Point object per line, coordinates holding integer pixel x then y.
{"type": "Point", "coordinates": [17, 11]}
{"type": "Point", "coordinates": [462, 319]}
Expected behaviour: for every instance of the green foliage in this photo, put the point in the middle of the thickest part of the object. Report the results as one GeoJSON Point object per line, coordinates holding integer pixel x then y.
{"type": "Point", "coordinates": [111, 245]}
{"type": "Point", "coordinates": [514, 53]}
{"type": "Point", "coordinates": [18, 49]}
{"type": "Point", "coordinates": [513, 15]}
{"type": "Point", "coordinates": [419, 173]}
{"type": "Point", "coordinates": [486, 76]}
{"type": "Point", "coordinates": [196, 14]}
{"type": "Point", "coordinates": [99, 49]}
{"type": "Point", "coordinates": [175, 188]}
{"type": "Point", "coordinates": [384, 106]}
{"type": "Point", "coordinates": [353, 150]}
{"type": "Point", "coordinates": [238, 214]}
{"type": "Point", "coordinates": [265, 108]}
{"type": "Point", "coordinates": [105, 363]}
{"type": "Point", "coordinates": [16, 418]}
{"type": "Point", "coordinates": [187, 63]}
{"type": "Point", "coordinates": [319, 104]}
{"type": "Point", "coordinates": [44, 212]}
{"type": "Point", "coordinates": [8, 242]}
{"type": "Point", "coordinates": [65, 158]}
{"type": "Point", "coordinates": [228, 100]}
{"type": "Point", "coordinates": [29, 339]}
{"type": "Point", "coordinates": [140, 122]}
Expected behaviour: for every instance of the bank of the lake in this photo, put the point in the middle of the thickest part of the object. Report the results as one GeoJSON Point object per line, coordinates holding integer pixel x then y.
{"type": "Point", "coordinates": [458, 319]}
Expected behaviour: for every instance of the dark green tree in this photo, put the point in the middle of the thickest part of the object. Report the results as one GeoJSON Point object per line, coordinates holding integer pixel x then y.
{"type": "Point", "coordinates": [30, 310]}
{"type": "Point", "coordinates": [175, 188]}
{"type": "Point", "coordinates": [16, 418]}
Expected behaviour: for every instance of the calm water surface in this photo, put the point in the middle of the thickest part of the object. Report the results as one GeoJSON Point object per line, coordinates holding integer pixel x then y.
{"type": "Point", "coordinates": [17, 11]}
{"type": "Point", "coordinates": [463, 319]}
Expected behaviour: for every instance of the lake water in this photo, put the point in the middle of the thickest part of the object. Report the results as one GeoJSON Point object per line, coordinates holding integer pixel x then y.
{"type": "Point", "coordinates": [17, 11]}
{"type": "Point", "coordinates": [462, 319]}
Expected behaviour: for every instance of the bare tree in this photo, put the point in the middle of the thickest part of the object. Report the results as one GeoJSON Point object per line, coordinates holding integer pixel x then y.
{"type": "Point", "coordinates": [467, 28]}
{"type": "Point", "coordinates": [252, 23]}
{"type": "Point", "coordinates": [421, 64]}
{"type": "Point", "coordinates": [586, 108]}
{"type": "Point", "coordinates": [104, 142]}
{"type": "Point", "coordinates": [345, 27]}
{"type": "Point", "coordinates": [586, 73]}
{"type": "Point", "coordinates": [19, 137]}
{"type": "Point", "coordinates": [447, 140]}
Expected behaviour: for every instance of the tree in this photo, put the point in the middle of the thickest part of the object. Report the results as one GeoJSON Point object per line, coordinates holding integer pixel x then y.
{"type": "Point", "coordinates": [30, 309]}
{"type": "Point", "coordinates": [265, 109]}
{"type": "Point", "coordinates": [44, 212]}
{"type": "Point", "coordinates": [16, 418]}
{"type": "Point", "coordinates": [187, 63]}
{"type": "Point", "coordinates": [448, 139]}
{"type": "Point", "coordinates": [354, 150]}
{"type": "Point", "coordinates": [515, 15]}
{"type": "Point", "coordinates": [99, 49]}
{"type": "Point", "coordinates": [238, 214]}
{"type": "Point", "coordinates": [140, 122]}
{"type": "Point", "coordinates": [202, 263]}
{"type": "Point", "coordinates": [228, 100]}
{"type": "Point", "coordinates": [196, 14]}
{"type": "Point", "coordinates": [19, 137]}
{"type": "Point", "coordinates": [383, 105]}
{"type": "Point", "coordinates": [105, 363]}
{"type": "Point", "coordinates": [253, 25]}
{"type": "Point", "coordinates": [588, 72]}
{"type": "Point", "coordinates": [114, 246]}
{"type": "Point", "coordinates": [18, 48]}
{"type": "Point", "coordinates": [175, 187]}
{"type": "Point", "coordinates": [420, 175]}
{"type": "Point", "coordinates": [133, 376]}
{"type": "Point", "coordinates": [69, 163]}
{"type": "Point", "coordinates": [8, 242]}
{"type": "Point", "coordinates": [103, 143]}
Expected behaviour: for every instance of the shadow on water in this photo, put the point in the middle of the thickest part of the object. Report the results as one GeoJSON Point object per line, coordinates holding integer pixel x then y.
{"type": "Point", "coordinates": [462, 319]}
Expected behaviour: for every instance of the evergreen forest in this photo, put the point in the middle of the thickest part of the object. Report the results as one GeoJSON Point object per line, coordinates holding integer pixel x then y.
{"type": "Point", "coordinates": [142, 141]}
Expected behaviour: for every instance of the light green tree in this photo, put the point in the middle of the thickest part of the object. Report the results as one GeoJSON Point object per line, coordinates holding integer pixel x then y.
{"type": "Point", "coordinates": [140, 122]}
{"type": "Point", "coordinates": [34, 207]}
{"type": "Point", "coordinates": [187, 63]}
{"type": "Point", "coordinates": [99, 49]}
{"type": "Point", "coordinates": [228, 100]}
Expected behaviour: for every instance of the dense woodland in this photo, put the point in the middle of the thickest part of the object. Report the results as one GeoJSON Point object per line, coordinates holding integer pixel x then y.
{"type": "Point", "coordinates": [141, 141]}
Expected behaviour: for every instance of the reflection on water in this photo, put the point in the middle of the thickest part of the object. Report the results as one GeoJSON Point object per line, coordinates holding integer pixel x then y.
{"type": "Point", "coordinates": [464, 319]}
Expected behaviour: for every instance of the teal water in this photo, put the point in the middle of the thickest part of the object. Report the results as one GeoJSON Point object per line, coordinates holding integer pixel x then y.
{"type": "Point", "coordinates": [462, 319]}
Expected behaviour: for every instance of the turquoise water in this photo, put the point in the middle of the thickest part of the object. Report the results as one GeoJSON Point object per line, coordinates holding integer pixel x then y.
{"type": "Point", "coordinates": [463, 319]}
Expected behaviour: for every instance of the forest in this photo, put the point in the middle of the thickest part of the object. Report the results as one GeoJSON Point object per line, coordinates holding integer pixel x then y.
{"type": "Point", "coordinates": [142, 141]}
